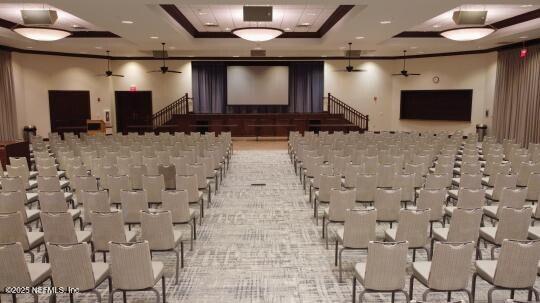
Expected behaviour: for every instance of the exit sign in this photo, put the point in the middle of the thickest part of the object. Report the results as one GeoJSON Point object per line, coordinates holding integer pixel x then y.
{"type": "Point", "coordinates": [523, 53]}
{"type": "Point", "coordinates": [133, 88]}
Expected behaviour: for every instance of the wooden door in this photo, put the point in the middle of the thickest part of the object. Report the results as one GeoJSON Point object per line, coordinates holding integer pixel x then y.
{"type": "Point", "coordinates": [69, 110]}
{"type": "Point", "coordinates": [133, 110]}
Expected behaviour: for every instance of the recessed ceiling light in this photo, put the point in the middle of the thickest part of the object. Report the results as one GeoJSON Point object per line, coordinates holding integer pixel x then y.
{"type": "Point", "coordinates": [236, 56]}
{"type": "Point", "coordinates": [436, 25]}
{"type": "Point", "coordinates": [99, 47]}
{"type": "Point", "coordinates": [523, 37]}
{"type": "Point", "coordinates": [359, 37]}
{"type": "Point", "coordinates": [227, 28]}
{"type": "Point", "coordinates": [414, 47]}
{"type": "Point", "coordinates": [287, 28]}
{"type": "Point", "coordinates": [154, 37]}
{"type": "Point", "coordinates": [385, 22]}
{"type": "Point", "coordinates": [76, 26]}
{"type": "Point", "coordinates": [29, 47]}
{"type": "Point", "coordinates": [127, 22]}
{"type": "Point", "coordinates": [210, 24]}
{"type": "Point", "coordinates": [201, 13]}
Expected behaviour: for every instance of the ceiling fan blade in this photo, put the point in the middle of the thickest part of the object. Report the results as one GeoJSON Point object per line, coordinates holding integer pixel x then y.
{"type": "Point", "coordinates": [397, 74]}
{"type": "Point", "coordinates": [174, 71]}
{"type": "Point", "coordinates": [117, 75]}
{"type": "Point", "coordinates": [154, 71]}
{"type": "Point", "coordinates": [358, 70]}
{"type": "Point", "coordinates": [414, 74]}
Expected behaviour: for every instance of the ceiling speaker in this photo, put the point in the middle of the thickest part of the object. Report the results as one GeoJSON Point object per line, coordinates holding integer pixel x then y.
{"type": "Point", "coordinates": [470, 17]}
{"type": "Point", "coordinates": [39, 17]}
{"type": "Point", "coordinates": [258, 53]}
{"type": "Point", "coordinates": [258, 13]}
{"type": "Point", "coordinates": [160, 54]}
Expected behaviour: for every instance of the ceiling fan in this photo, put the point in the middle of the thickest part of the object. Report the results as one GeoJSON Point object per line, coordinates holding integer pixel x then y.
{"type": "Point", "coordinates": [349, 68]}
{"type": "Point", "coordinates": [164, 69]}
{"type": "Point", "coordinates": [404, 72]}
{"type": "Point", "coordinates": [108, 72]}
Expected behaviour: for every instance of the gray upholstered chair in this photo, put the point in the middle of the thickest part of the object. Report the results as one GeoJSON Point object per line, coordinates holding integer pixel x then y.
{"type": "Point", "coordinates": [157, 228]}
{"type": "Point", "coordinates": [327, 182]}
{"type": "Point", "coordinates": [203, 184]}
{"type": "Point", "coordinates": [169, 175]}
{"type": "Point", "coordinates": [406, 183]}
{"type": "Point", "coordinates": [385, 175]}
{"type": "Point", "coordinates": [12, 230]}
{"type": "Point", "coordinates": [510, 197]}
{"type": "Point", "coordinates": [515, 269]}
{"type": "Point", "coordinates": [384, 270]}
{"type": "Point", "coordinates": [135, 175]}
{"type": "Point", "coordinates": [176, 201]}
{"type": "Point", "coordinates": [116, 185]}
{"type": "Point", "coordinates": [16, 272]}
{"type": "Point", "coordinates": [133, 201]}
{"type": "Point", "coordinates": [340, 201]}
{"type": "Point", "coordinates": [465, 227]}
{"type": "Point", "coordinates": [153, 185]}
{"type": "Point", "coordinates": [58, 228]}
{"type": "Point", "coordinates": [106, 227]}
{"type": "Point", "coordinates": [14, 201]}
{"type": "Point", "coordinates": [143, 277]}
{"type": "Point", "coordinates": [366, 185]}
{"type": "Point", "coordinates": [432, 199]}
{"type": "Point", "coordinates": [388, 204]}
{"type": "Point", "coordinates": [315, 182]}
{"type": "Point", "coordinates": [467, 198]}
{"type": "Point", "coordinates": [501, 181]}
{"type": "Point", "coordinates": [513, 224]}
{"type": "Point", "coordinates": [72, 266]}
{"type": "Point", "coordinates": [356, 233]}
{"type": "Point", "coordinates": [448, 271]}
{"type": "Point", "coordinates": [17, 184]}
{"type": "Point", "coordinates": [413, 227]}
{"type": "Point", "coordinates": [55, 201]}
{"type": "Point", "coordinates": [195, 196]}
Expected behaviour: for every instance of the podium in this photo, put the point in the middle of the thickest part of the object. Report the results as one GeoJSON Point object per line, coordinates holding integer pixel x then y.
{"type": "Point", "coordinates": [95, 127]}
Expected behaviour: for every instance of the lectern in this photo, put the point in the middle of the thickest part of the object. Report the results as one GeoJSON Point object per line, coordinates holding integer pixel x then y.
{"type": "Point", "coordinates": [95, 127]}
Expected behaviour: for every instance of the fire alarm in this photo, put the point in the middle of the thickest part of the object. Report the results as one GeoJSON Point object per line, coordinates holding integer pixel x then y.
{"type": "Point", "coordinates": [523, 53]}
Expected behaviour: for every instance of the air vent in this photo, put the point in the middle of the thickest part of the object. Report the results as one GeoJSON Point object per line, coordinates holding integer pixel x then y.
{"type": "Point", "coordinates": [258, 13]}
{"type": "Point", "coordinates": [160, 54]}
{"type": "Point", "coordinates": [353, 53]}
{"type": "Point", "coordinates": [258, 53]}
{"type": "Point", "coordinates": [39, 17]}
{"type": "Point", "coordinates": [209, 24]}
{"type": "Point", "coordinates": [303, 25]}
{"type": "Point", "coordinates": [469, 17]}
{"type": "Point", "coordinates": [78, 27]}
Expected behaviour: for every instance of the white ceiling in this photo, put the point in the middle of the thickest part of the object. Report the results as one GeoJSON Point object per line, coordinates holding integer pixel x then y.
{"type": "Point", "coordinates": [286, 17]}
{"type": "Point", "coordinates": [363, 20]}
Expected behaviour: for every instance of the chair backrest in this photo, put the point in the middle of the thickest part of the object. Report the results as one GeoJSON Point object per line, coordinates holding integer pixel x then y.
{"type": "Point", "coordinates": [13, 201]}
{"type": "Point", "coordinates": [437, 181]}
{"type": "Point", "coordinates": [517, 264]}
{"type": "Point", "coordinates": [360, 227]}
{"type": "Point", "coordinates": [471, 181]}
{"type": "Point", "coordinates": [327, 183]}
{"type": "Point", "coordinates": [513, 224]}
{"type": "Point", "coordinates": [388, 203]}
{"type": "Point", "coordinates": [169, 175]}
{"type": "Point", "coordinates": [418, 171]}
{"type": "Point", "coordinates": [18, 171]}
{"type": "Point", "coordinates": [465, 225]}
{"type": "Point", "coordinates": [71, 265]}
{"type": "Point", "coordinates": [153, 185]}
{"type": "Point", "coordinates": [386, 265]}
{"type": "Point", "coordinates": [188, 183]}
{"type": "Point", "coordinates": [340, 201]}
{"type": "Point", "coordinates": [503, 181]}
{"type": "Point", "coordinates": [157, 229]}
{"type": "Point", "coordinates": [58, 228]}
{"type": "Point", "coordinates": [48, 183]}
{"type": "Point", "coordinates": [197, 169]}
{"type": "Point", "coordinates": [12, 229]}
{"type": "Point", "coordinates": [13, 268]}
{"type": "Point", "coordinates": [132, 204]}
{"type": "Point", "coordinates": [151, 164]}
{"type": "Point", "coordinates": [135, 175]}
{"type": "Point", "coordinates": [52, 201]}
{"type": "Point", "coordinates": [107, 226]}
{"type": "Point", "coordinates": [18, 161]}
{"type": "Point", "coordinates": [351, 172]}
{"type": "Point", "coordinates": [386, 174]}
{"type": "Point", "coordinates": [525, 171]}
{"type": "Point", "coordinates": [95, 201]}
{"type": "Point", "coordinates": [533, 187]}
{"type": "Point", "coordinates": [432, 199]}
{"type": "Point", "coordinates": [116, 185]}
{"type": "Point", "coordinates": [366, 184]}
{"type": "Point", "coordinates": [413, 227]}
{"type": "Point", "coordinates": [180, 165]}
{"type": "Point", "coordinates": [406, 183]}
{"type": "Point", "coordinates": [471, 168]}
{"type": "Point", "coordinates": [176, 201]}
{"type": "Point", "coordinates": [512, 197]}
{"type": "Point", "coordinates": [85, 183]}
{"type": "Point", "coordinates": [12, 184]}
{"type": "Point", "coordinates": [471, 198]}
{"type": "Point", "coordinates": [124, 274]}
{"type": "Point", "coordinates": [47, 171]}
{"type": "Point", "coordinates": [450, 265]}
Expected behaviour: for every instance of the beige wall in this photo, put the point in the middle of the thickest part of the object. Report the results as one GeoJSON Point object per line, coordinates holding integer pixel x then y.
{"type": "Point", "coordinates": [359, 90]}
{"type": "Point", "coordinates": [374, 92]}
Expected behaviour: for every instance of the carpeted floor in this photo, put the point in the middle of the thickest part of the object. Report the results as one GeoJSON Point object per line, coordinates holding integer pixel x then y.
{"type": "Point", "coordinates": [260, 244]}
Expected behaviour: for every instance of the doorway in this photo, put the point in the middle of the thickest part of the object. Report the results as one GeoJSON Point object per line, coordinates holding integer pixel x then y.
{"type": "Point", "coordinates": [69, 110]}
{"type": "Point", "coordinates": [133, 110]}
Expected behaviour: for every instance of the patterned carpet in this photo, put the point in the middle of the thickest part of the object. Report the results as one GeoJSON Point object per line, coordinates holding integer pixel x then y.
{"type": "Point", "coordinates": [260, 244]}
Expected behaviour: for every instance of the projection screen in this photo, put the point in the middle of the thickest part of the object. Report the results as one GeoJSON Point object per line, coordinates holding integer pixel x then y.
{"type": "Point", "coordinates": [257, 85]}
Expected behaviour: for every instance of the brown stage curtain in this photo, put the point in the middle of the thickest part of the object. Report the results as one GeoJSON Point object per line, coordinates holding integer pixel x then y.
{"type": "Point", "coordinates": [517, 96]}
{"type": "Point", "coordinates": [8, 115]}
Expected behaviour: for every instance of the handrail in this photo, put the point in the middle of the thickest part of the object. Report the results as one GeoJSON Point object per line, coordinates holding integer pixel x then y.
{"type": "Point", "coordinates": [336, 106]}
{"type": "Point", "coordinates": [178, 107]}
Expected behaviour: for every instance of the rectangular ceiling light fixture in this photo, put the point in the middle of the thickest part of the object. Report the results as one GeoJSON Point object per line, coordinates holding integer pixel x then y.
{"type": "Point", "coordinates": [258, 13]}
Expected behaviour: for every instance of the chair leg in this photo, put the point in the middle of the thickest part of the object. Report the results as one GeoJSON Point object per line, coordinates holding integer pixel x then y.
{"type": "Point", "coordinates": [192, 235]}
{"type": "Point", "coordinates": [493, 252]}
{"type": "Point", "coordinates": [353, 289]}
{"type": "Point", "coordinates": [124, 296]}
{"type": "Point", "coordinates": [405, 294]}
{"type": "Point", "coordinates": [490, 294]}
{"type": "Point", "coordinates": [411, 287]}
{"type": "Point", "coordinates": [339, 264]}
{"type": "Point", "coordinates": [163, 286]}
{"type": "Point", "coordinates": [110, 289]}
{"type": "Point", "coordinates": [323, 224]}
{"type": "Point", "coordinates": [469, 295]}
{"type": "Point", "coordinates": [473, 287]}
{"type": "Point", "coordinates": [336, 258]}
